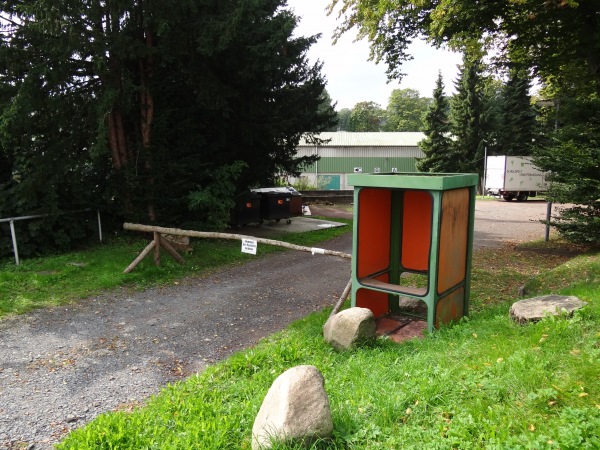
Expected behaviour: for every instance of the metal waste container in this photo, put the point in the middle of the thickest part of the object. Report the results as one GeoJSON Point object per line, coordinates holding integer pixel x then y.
{"type": "Point", "coordinates": [275, 204]}
{"type": "Point", "coordinates": [295, 202]}
{"type": "Point", "coordinates": [246, 210]}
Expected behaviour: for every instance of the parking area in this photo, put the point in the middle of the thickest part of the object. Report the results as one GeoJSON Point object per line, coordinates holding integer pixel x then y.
{"type": "Point", "coordinates": [496, 221]}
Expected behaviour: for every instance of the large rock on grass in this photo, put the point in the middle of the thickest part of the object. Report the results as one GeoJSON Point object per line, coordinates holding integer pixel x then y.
{"type": "Point", "coordinates": [296, 408]}
{"type": "Point", "coordinates": [536, 308]}
{"type": "Point", "coordinates": [350, 327]}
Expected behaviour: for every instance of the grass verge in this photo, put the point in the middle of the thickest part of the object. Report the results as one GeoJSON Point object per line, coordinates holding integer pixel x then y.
{"type": "Point", "coordinates": [65, 278]}
{"type": "Point", "coordinates": [485, 382]}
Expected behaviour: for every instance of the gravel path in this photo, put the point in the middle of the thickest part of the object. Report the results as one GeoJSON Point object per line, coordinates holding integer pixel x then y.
{"type": "Point", "coordinates": [61, 367]}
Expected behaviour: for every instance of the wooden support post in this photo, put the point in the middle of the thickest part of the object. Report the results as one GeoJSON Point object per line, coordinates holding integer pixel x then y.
{"type": "Point", "coordinates": [157, 248]}
{"type": "Point", "coordinates": [342, 299]}
{"type": "Point", "coordinates": [141, 256]}
{"type": "Point", "coordinates": [171, 250]}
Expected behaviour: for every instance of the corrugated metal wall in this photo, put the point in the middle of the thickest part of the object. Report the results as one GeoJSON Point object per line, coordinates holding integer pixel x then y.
{"type": "Point", "coordinates": [361, 152]}
{"type": "Point", "coordinates": [345, 159]}
{"type": "Point", "coordinates": [342, 160]}
{"type": "Point", "coordinates": [368, 164]}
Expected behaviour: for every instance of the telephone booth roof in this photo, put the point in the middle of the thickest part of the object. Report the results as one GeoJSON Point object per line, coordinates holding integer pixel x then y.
{"type": "Point", "coordinates": [422, 181]}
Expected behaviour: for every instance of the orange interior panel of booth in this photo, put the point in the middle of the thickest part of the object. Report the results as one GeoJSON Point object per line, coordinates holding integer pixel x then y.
{"type": "Point", "coordinates": [416, 230]}
{"type": "Point", "coordinates": [454, 232]}
{"type": "Point", "coordinates": [373, 250]}
{"type": "Point", "coordinates": [374, 219]}
{"type": "Point", "coordinates": [376, 301]}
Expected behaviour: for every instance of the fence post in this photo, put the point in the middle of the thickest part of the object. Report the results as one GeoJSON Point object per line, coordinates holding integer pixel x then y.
{"type": "Point", "coordinates": [548, 217]}
{"type": "Point", "coordinates": [14, 241]}
{"type": "Point", "coordinates": [99, 226]}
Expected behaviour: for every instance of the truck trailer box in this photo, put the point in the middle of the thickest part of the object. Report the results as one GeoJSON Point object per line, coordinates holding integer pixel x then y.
{"type": "Point", "coordinates": [513, 177]}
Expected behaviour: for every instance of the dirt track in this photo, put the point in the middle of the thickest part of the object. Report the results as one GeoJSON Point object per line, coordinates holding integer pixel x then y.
{"type": "Point", "coordinates": [61, 367]}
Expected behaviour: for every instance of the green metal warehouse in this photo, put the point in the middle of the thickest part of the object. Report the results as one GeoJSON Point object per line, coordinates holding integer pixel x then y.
{"type": "Point", "coordinates": [348, 152]}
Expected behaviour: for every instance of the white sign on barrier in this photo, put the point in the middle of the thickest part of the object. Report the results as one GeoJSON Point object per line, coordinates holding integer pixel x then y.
{"type": "Point", "coordinates": [249, 246]}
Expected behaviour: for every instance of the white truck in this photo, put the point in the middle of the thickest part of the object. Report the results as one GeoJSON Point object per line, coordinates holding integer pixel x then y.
{"type": "Point", "coordinates": [513, 177]}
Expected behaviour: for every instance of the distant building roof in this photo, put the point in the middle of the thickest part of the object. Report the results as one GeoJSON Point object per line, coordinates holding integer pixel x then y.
{"type": "Point", "coordinates": [368, 139]}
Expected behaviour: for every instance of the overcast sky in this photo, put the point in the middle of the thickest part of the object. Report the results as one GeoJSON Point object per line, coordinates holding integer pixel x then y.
{"type": "Point", "coordinates": [351, 77]}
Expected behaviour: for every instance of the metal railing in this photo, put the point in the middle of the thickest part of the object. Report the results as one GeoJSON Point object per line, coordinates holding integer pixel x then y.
{"type": "Point", "coordinates": [13, 234]}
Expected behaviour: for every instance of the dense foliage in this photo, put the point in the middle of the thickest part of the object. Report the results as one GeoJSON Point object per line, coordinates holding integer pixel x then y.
{"type": "Point", "coordinates": [366, 116]}
{"type": "Point", "coordinates": [132, 106]}
{"type": "Point", "coordinates": [541, 35]}
{"type": "Point", "coordinates": [406, 110]}
{"type": "Point", "coordinates": [573, 157]}
{"type": "Point", "coordinates": [343, 116]}
{"type": "Point", "coordinates": [517, 131]}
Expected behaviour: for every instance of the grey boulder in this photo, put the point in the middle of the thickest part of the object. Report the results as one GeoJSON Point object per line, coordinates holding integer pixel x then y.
{"type": "Point", "coordinates": [349, 328]}
{"type": "Point", "coordinates": [296, 408]}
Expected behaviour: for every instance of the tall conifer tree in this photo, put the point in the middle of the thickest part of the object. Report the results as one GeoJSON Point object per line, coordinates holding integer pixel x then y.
{"type": "Point", "coordinates": [134, 105]}
{"type": "Point", "coordinates": [466, 113]}
{"type": "Point", "coordinates": [437, 145]}
{"type": "Point", "coordinates": [517, 127]}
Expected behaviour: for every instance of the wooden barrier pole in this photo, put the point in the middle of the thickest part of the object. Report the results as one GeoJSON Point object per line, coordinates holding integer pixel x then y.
{"type": "Point", "coordinates": [159, 241]}
{"type": "Point", "coordinates": [238, 237]}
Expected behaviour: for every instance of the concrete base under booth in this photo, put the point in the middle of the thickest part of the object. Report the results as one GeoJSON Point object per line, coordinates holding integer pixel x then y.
{"type": "Point", "coordinates": [400, 328]}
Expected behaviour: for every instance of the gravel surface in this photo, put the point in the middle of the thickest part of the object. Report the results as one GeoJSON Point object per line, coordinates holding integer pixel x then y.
{"type": "Point", "coordinates": [61, 367]}
{"type": "Point", "coordinates": [498, 221]}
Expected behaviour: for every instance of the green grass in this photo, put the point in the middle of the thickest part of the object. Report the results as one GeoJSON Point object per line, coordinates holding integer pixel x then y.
{"type": "Point", "coordinates": [485, 382]}
{"type": "Point", "coordinates": [66, 278]}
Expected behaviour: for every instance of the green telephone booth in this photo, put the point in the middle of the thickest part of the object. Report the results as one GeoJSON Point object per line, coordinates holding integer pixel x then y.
{"type": "Point", "coordinates": [413, 237]}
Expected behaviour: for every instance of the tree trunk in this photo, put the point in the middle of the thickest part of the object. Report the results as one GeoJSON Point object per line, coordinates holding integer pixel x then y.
{"type": "Point", "coordinates": [117, 140]}
{"type": "Point", "coordinates": [147, 112]}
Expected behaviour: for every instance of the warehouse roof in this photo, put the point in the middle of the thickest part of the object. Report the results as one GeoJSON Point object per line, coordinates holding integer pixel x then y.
{"type": "Point", "coordinates": [368, 139]}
